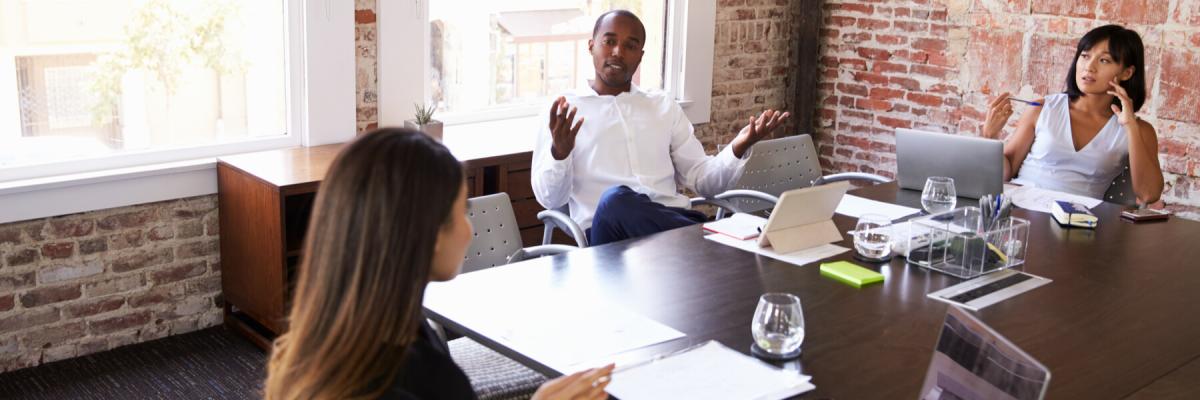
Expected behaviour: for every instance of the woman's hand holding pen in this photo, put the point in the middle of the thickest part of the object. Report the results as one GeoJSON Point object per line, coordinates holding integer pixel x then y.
{"type": "Point", "coordinates": [999, 111]}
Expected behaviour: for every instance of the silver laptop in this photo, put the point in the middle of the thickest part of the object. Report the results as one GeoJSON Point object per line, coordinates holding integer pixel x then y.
{"type": "Point", "coordinates": [976, 164]}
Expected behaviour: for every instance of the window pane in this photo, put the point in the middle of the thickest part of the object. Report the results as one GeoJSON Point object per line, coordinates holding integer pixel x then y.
{"type": "Point", "coordinates": [82, 78]}
{"type": "Point", "coordinates": [513, 55]}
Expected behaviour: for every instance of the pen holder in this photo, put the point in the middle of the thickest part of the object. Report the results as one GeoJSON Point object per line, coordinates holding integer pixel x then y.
{"type": "Point", "coordinates": [962, 243]}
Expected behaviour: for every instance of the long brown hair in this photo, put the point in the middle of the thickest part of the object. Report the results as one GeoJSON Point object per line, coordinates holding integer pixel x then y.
{"type": "Point", "coordinates": [367, 258]}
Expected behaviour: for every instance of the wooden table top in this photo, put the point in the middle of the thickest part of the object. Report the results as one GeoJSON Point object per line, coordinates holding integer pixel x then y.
{"type": "Point", "coordinates": [1120, 314]}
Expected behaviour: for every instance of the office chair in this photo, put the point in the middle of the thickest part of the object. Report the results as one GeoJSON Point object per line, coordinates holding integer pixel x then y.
{"type": "Point", "coordinates": [1121, 189]}
{"type": "Point", "coordinates": [497, 238]}
{"type": "Point", "coordinates": [496, 241]}
{"type": "Point", "coordinates": [774, 167]}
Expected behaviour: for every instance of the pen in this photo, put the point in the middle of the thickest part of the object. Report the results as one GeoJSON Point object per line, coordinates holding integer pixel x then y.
{"type": "Point", "coordinates": [1032, 103]}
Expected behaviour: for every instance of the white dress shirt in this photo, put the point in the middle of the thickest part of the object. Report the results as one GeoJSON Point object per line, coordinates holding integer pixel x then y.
{"type": "Point", "coordinates": [639, 139]}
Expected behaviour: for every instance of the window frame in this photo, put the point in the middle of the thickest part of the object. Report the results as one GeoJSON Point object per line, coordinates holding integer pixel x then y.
{"type": "Point", "coordinates": [403, 75]}
{"type": "Point", "coordinates": [321, 109]}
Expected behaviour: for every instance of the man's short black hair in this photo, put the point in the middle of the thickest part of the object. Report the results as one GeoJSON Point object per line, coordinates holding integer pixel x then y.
{"type": "Point", "coordinates": [1125, 47]}
{"type": "Point", "coordinates": [619, 13]}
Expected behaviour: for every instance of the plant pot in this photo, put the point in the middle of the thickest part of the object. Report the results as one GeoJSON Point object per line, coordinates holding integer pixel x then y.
{"type": "Point", "coordinates": [433, 128]}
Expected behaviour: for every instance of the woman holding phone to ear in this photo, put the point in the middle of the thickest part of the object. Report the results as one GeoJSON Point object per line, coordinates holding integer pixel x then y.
{"type": "Point", "coordinates": [390, 218]}
{"type": "Point", "coordinates": [1075, 141]}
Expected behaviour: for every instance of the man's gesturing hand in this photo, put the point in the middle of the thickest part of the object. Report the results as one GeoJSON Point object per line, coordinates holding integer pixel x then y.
{"type": "Point", "coordinates": [563, 128]}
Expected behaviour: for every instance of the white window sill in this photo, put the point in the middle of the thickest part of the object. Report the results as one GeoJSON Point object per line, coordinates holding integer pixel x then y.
{"type": "Point", "coordinates": [34, 198]}
{"type": "Point", "coordinates": [68, 194]}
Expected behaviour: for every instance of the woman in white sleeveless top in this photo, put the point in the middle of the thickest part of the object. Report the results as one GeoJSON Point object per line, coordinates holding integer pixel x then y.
{"type": "Point", "coordinates": [1077, 141]}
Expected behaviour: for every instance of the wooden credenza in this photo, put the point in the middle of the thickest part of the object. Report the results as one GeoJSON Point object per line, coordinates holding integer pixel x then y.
{"type": "Point", "coordinates": [265, 201]}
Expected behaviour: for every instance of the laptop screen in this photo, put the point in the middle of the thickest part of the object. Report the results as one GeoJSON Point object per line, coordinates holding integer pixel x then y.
{"type": "Point", "coordinates": [973, 362]}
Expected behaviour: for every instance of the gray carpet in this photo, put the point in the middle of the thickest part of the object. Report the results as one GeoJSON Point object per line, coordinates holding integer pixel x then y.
{"type": "Point", "coordinates": [211, 363]}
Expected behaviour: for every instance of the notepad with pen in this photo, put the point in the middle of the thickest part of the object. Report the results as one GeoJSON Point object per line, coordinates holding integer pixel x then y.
{"type": "Point", "coordinates": [1073, 214]}
{"type": "Point", "coordinates": [850, 274]}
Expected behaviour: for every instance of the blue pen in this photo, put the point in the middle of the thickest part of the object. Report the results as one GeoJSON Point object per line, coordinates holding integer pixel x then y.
{"type": "Point", "coordinates": [1032, 103]}
{"type": "Point", "coordinates": [999, 207]}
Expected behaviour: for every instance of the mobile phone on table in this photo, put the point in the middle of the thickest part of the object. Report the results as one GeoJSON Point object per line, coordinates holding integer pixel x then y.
{"type": "Point", "coordinates": [1145, 214]}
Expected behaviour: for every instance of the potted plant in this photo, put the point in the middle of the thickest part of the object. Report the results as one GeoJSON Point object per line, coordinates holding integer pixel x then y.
{"type": "Point", "coordinates": [424, 122]}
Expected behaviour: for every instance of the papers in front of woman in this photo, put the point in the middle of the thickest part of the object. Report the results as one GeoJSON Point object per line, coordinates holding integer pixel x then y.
{"type": "Point", "coordinates": [1042, 200]}
{"type": "Point", "coordinates": [708, 371]}
{"type": "Point", "coordinates": [560, 328]}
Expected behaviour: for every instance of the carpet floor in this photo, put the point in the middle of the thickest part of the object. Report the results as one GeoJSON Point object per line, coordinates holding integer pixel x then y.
{"type": "Point", "coordinates": [212, 363]}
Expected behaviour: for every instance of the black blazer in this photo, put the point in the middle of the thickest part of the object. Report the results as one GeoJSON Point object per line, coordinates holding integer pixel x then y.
{"type": "Point", "coordinates": [429, 372]}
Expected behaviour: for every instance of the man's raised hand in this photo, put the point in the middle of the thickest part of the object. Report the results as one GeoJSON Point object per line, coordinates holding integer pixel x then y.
{"type": "Point", "coordinates": [563, 128]}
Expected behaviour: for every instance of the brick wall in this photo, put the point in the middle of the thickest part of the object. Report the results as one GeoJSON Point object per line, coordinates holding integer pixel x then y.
{"type": "Point", "coordinates": [751, 61]}
{"type": "Point", "coordinates": [367, 72]}
{"type": "Point", "coordinates": [930, 64]}
{"type": "Point", "coordinates": [82, 283]}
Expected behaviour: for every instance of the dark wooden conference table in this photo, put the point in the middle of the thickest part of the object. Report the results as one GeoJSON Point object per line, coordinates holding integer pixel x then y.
{"type": "Point", "coordinates": [1121, 318]}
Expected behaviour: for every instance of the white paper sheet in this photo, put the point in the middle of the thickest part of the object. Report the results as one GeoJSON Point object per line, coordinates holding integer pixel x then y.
{"type": "Point", "coordinates": [1035, 199]}
{"type": "Point", "coordinates": [802, 257]}
{"type": "Point", "coordinates": [854, 206]}
{"type": "Point", "coordinates": [738, 226]}
{"type": "Point", "coordinates": [559, 329]}
{"type": "Point", "coordinates": [711, 371]}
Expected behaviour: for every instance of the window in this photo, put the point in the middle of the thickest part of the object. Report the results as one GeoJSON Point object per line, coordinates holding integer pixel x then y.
{"type": "Point", "coordinates": [491, 61]}
{"type": "Point", "coordinates": [533, 49]}
{"type": "Point", "coordinates": [102, 79]}
{"type": "Point", "coordinates": [108, 103]}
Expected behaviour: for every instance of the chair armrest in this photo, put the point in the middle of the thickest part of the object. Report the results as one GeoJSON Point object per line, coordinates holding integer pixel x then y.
{"type": "Point", "coordinates": [558, 219]}
{"type": "Point", "coordinates": [747, 194]}
{"type": "Point", "coordinates": [538, 251]}
{"type": "Point", "coordinates": [724, 207]}
{"type": "Point", "coordinates": [850, 176]}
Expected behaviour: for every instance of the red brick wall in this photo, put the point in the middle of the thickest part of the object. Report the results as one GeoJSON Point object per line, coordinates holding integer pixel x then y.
{"type": "Point", "coordinates": [88, 282]}
{"type": "Point", "coordinates": [752, 44]}
{"type": "Point", "coordinates": [929, 64]}
{"type": "Point", "coordinates": [367, 69]}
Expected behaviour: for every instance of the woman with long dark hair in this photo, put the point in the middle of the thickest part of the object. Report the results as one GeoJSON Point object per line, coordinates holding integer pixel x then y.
{"type": "Point", "coordinates": [390, 217]}
{"type": "Point", "coordinates": [1076, 141]}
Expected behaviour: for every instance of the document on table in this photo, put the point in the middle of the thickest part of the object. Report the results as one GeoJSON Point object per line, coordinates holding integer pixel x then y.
{"type": "Point", "coordinates": [854, 206]}
{"type": "Point", "coordinates": [1040, 200]}
{"type": "Point", "coordinates": [562, 330]}
{"type": "Point", "coordinates": [709, 371]}
{"type": "Point", "coordinates": [802, 257]}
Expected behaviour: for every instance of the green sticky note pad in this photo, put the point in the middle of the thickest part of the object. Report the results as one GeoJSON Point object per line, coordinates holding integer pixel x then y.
{"type": "Point", "coordinates": [850, 274]}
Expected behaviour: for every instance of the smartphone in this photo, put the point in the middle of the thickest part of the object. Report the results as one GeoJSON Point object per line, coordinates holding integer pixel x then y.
{"type": "Point", "coordinates": [1145, 214]}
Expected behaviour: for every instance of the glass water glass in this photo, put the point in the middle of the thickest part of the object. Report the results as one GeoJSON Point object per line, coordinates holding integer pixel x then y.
{"type": "Point", "coordinates": [939, 195]}
{"type": "Point", "coordinates": [778, 325]}
{"type": "Point", "coordinates": [873, 236]}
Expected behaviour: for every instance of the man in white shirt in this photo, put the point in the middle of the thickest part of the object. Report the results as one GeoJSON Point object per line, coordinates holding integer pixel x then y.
{"type": "Point", "coordinates": [620, 172]}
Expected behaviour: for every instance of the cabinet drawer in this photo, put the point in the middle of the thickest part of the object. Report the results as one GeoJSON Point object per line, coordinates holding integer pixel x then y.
{"type": "Point", "coordinates": [526, 211]}
{"type": "Point", "coordinates": [519, 186]}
